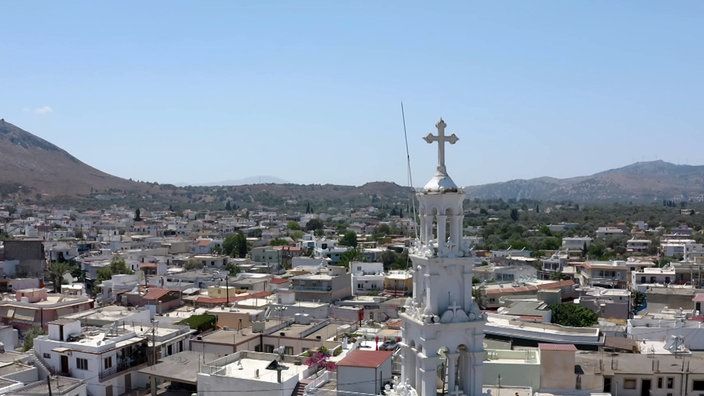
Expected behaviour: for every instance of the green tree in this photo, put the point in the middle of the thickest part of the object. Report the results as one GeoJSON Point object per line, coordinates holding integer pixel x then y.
{"type": "Point", "coordinates": [137, 215]}
{"type": "Point", "coordinates": [293, 226]}
{"type": "Point", "coordinates": [117, 266]}
{"type": "Point", "coordinates": [573, 315]}
{"type": "Point", "coordinates": [296, 235]}
{"type": "Point", "coordinates": [279, 242]}
{"type": "Point", "coordinates": [235, 245]}
{"type": "Point", "coordinates": [29, 337]}
{"type": "Point", "coordinates": [232, 269]}
{"type": "Point", "coordinates": [56, 274]}
{"type": "Point", "coordinates": [388, 257]}
{"type": "Point", "coordinates": [193, 265]}
{"type": "Point", "coordinates": [353, 254]}
{"type": "Point", "coordinates": [349, 239]}
{"type": "Point", "coordinates": [314, 224]}
{"type": "Point", "coordinates": [514, 214]}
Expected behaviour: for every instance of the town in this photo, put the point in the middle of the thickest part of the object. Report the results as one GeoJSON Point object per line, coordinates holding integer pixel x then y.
{"type": "Point", "coordinates": [131, 301]}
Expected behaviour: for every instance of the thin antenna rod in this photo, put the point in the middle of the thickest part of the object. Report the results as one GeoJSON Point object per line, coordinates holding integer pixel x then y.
{"type": "Point", "coordinates": [410, 177]}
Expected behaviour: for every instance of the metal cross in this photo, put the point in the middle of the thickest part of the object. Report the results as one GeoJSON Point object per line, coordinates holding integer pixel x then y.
{"type": "Point", "coordinates": [441, 139]}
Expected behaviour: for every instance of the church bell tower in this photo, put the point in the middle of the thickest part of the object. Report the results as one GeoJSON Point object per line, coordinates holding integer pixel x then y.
{"type": "Point", "coordinates": [443, 328]}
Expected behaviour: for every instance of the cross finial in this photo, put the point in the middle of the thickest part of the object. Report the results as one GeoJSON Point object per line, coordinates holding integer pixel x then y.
{"type": "Point", "coordinates": [441, 139]}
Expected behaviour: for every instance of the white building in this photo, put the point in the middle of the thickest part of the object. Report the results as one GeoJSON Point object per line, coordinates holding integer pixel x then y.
{"type": "Point", "coordinates": [607, 232]}
{"type": "Point", "coordinates": [252, 373]}
{"type": "Point", "coordinates": [652, 277]}
{"type": "Point", "coordinates": [442, 319]}
{"type": "Point", "coordinates": [367, 277]}
{"type": "Point", "coordinates": [638, 245]}
{"type": "Point", "coordinates": [576, 243]}
{"type": "Point", "coordinates": [104, 358]}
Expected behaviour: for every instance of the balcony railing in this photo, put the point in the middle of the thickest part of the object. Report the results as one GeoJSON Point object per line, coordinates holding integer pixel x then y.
{"type": "Point", "coordinates": [122, 365]}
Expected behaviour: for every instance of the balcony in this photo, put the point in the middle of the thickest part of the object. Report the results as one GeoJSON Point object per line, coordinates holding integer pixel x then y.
{"type": "Point", "coordinates": [123, 365]}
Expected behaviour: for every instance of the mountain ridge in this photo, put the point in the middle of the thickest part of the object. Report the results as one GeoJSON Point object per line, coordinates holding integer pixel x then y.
{"type": "Point", "coordinates": [32, 168]}
{"type": "Point", "coordinates": [645, 181]}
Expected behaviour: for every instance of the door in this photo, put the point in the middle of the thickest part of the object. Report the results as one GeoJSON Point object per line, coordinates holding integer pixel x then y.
{"type": "Point", "coordinates": [108, 390]}
{"type": "Point", "coordinates": [128, 381]}
{"type": "Point", "coordinates": [645, 387]}
{"type": "Point", "coordinates": [64, 364]}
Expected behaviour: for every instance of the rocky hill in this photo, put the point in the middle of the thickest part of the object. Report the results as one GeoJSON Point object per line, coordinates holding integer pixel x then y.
{"type": "Point", "coordinates": [641, 182]}
{"type": "Point", "coordinates": [33, 170]}
{"type": "Point", "coordinates": [31, 166]}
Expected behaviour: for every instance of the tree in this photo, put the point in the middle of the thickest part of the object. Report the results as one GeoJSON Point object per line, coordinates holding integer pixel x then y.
{"type": "Point", "coordinates": [29, 337]}
{"type": "Point", "coordinates": [514, 214]}
{"type": "Point", "coordinates": [353, 254]}
{"type": "Point", "coordinates": [293, 226]}
{"type": "Point", "coordinates": [117, 266]}
{"type": "Point", "coordinates": [387, 258]}
{"type": "Point", "coordinates": [381, 231]}
{"type": "Point", "coordinates": [349, 239]}
{"type": "Point", "coordinates": [279, 242]}
{"type": "Point", "coordinates": [232, 269]}
{"type": "Point", "coordinates": [314, 224]}
{"type": "Point", "coordinates": [296, 235]}
{"type": "Point", "coordinates": [193, 265]}
{"type": "Point", "coordinates": [235, 245]}
{"type": "Point", "coordinates": [137, 215]}
{"type": "Point", "coordinates": [573, 315]}
{"type": "Point", "coordinates": [56, 274]}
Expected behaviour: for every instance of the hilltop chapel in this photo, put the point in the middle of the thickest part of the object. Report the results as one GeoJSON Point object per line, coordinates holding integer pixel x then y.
{"type": "Point", "coordinates": [442, 324]}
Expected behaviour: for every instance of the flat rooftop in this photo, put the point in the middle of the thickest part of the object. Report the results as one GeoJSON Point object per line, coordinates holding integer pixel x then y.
{"type": "Point", "coordinates": [253, 367]}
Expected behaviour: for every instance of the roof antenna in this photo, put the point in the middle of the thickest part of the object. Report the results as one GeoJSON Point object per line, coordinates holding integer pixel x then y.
{"type": "Point", "coordinates": [410, 177]}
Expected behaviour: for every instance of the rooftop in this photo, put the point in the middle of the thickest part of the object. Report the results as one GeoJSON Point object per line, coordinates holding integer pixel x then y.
{"type": "Point", "coordinates": [370, 359]}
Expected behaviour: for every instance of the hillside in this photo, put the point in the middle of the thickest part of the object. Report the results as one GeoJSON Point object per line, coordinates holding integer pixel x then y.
{"type": "Point", "coordinates": [642, 182]}
{"type": "Point", "coordinates": [33, 170]}
{"type": "Point", "coordinates": [31, 166]}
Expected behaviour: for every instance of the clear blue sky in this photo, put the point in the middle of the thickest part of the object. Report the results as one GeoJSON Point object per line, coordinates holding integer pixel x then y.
{"type": "Point", "coordinates": [310, 91]}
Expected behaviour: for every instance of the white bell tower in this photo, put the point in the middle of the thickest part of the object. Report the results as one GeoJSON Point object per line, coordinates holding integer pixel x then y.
{"type": "Point", "coordinates": [443, 328]}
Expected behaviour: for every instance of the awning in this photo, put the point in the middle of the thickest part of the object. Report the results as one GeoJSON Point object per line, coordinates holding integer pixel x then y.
{"type": "Point", "coordinates": [24, 314]}
{"type": "Point", "coordinates": [64, 311]}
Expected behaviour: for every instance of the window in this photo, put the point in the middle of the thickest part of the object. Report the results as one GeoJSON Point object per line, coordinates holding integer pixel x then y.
{"type": "Point", "coordinates": [670, 382]}
{"type": "Point", "coordinates": [108, 362]}
{"type": "Point", "coordinates": [698, 385]}
{"type": "Point", "coordinates": [47, 355]}
{"type": "Point", "coordinates": [629, 383]}
{"type": "Point", "coordinates": [82, 364]}
{"type": "Point", "coordinates": [660, 382]}
{"type": "Point", "coordinates": [268, 348]}
{"type": "Point", "coordinates": [288, 350]}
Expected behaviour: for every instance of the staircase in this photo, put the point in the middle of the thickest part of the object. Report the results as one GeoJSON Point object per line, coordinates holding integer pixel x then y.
{"type": "Point", "coordinates": [300, 388]}
{"type": "Point", "coordinates": [41, 366]}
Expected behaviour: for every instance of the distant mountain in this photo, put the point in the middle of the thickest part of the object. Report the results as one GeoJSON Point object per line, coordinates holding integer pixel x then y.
{"type": "Point", "coordinates": [249, 180]}
{"type": "Point", "coordinates": [641, 182]}
{"type": "Point", "coordinates": [31, 166]}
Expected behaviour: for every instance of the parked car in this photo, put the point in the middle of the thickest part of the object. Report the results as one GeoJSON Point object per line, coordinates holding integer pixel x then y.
{"type": "Point", "coordinates": [389, 345]}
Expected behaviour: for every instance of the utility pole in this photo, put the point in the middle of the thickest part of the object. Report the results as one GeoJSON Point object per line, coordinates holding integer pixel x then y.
{"type": "Point", "coordinates": [155, 323]}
